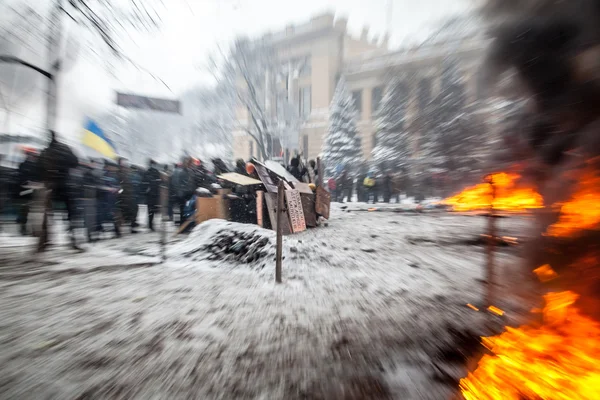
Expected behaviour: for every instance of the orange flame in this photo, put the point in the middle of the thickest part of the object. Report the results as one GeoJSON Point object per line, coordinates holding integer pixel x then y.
{"type": "Point", "coordinates": [582, 211]}
{"type": "Point", "coordinates": [545, 273]}
{"type": "Point", "coordinates": [507, 196]}
{"type": "Point", "coordinates": [558, 360]}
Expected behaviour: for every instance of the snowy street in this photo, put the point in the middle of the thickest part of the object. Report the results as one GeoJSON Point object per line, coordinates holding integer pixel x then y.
{"type": "Point", "coordinates": [369, 307]}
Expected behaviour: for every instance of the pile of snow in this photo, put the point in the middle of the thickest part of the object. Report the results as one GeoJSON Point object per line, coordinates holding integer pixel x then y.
{"type": "Point", "coordinates": [217, 239]}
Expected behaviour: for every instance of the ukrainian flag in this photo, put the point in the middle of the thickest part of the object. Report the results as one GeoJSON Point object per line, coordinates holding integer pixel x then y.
{"type": "Point", "coordinates": [94, 138]}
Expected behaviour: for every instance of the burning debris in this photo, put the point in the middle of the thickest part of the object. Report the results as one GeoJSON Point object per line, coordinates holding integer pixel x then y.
{"type": "Point", "coordinates": [582, 211]}
{"type": "Point", "coordinates": [554, 48]}
{"type": "Point", "coordinates": [502, 193]}
{"type": "Point", "coordinates": [555, 360]}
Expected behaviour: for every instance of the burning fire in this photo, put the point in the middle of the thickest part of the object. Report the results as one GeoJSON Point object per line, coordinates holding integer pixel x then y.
{"type": "Point", "coordinates": [507, 197]}
{"type": "Point", "coordinates": [582, 211]}
{"type": "Point", "coordinates": [557, 360]}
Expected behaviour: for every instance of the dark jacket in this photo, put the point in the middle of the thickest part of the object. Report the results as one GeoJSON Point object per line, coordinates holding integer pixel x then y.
{"type": "Point", "coordinates": [55, 162]}
{"type": "Point", "coordinates": [151, 184]}
{"type": "Point", "coordinates": [187, 184]}
{"type": "Point", "coordinates": [29, 171]}
{"type": "Point", "coordinates": [124, 178]}
{"type": "Point", "coordinates": [297, 172]}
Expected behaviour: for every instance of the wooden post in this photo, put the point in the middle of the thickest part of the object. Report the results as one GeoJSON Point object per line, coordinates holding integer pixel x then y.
{"type": "Point", "coordinates": [490, 248]}
{"type": "Point", "coordinates": [259, 208]}
{"type": "Point", "coordinates": [280, 211]}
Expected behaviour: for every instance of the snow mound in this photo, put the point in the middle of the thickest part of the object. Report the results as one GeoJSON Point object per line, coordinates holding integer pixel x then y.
{"type": "Point", "coordinates": [218, 239]}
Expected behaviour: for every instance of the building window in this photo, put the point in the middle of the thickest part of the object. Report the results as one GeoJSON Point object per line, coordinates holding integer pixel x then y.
{"type": "Point", "coordinates": [304, 103]}
{"type": "Point", "coordinates": [357, 97]}
{"type": "Point", "coordinates": [305, 68]}
{"type": "Point", "coordinates": [376, 97]}
{"type": "Point", "coordinates": [251, 149]}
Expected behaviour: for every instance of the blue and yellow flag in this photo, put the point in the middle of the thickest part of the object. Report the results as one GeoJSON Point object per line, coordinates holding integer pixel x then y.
{"type": "Point", "coordinates": [94, 138]}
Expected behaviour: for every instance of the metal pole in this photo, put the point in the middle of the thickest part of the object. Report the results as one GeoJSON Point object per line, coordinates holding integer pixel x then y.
{"type": "Point", "coordinates": [259, 208]}
{"type": "Point", "coordinates": [280, 211]}
{"type": "Point", "coordinates": [490, 248]}
{"type": "Point", "coordinates": [54, 41]}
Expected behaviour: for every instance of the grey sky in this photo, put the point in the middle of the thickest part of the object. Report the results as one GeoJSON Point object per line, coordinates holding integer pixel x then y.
{"type": "Point", "coordinates": [193, 28]}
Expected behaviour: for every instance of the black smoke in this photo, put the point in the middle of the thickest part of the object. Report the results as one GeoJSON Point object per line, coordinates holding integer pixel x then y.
{"type": "Point", "coordinates": [553, 49]}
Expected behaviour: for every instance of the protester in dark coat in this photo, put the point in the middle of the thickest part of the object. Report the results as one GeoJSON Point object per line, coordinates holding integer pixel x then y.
{"type": "Point", "coordinates": [126, 200]}
{"type": "Point", "coordinates": [29, 173]}
{"type": "Point", "coordinates": [347, 185]}
{"type": "Point", "coordinates": [296, 169]}
{"type": "Point", "coordinates": [186, 186]}
{"type": "Point", "coordinates": [219, 167]}
{"type": "Point", "coordinates": [387, 187]}
{"type": "Point", "coordinates": [151, 182]}
{"type": "Point", "coordinates": [361, 190]}
{"type": "Point", "coordinates": [202, 177]}
{"type": "Point", "coordinates": [240, 167]}
{"type": "Point", "coordinates": [110, 189]}
{"type": "Point", "coordinates": [397, 186]}
{"type": "Point", "coordinates": [174, 188]}
{"type": "Point", "coordinates": [314, 177]}
{"type": "Point", "coordinates": [5, 178]}
{"type": "Point", "coordinates": [136, 175]}
{"type": "Point", "coordinates": [55, 163]}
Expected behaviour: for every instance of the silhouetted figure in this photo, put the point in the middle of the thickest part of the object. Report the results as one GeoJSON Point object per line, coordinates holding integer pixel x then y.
{"type": "Point", "coordinates": [55, 162]}
{"type": "Point", "coordinates": [151, 183]}
{"type": "Point", "coordinates": [28, 174]}
{"type": "Point", "coordinates": [126, 200]}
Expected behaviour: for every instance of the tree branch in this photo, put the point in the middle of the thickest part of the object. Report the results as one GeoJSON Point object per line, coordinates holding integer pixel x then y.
{"type": "Point", "coordinates": [15, 60]}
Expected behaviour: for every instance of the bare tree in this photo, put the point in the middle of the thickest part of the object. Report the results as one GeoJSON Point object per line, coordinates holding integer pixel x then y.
{"type": "Point", "coordinates": [263, 91]}
{"type": "Point", "coordinates": [211, 115]}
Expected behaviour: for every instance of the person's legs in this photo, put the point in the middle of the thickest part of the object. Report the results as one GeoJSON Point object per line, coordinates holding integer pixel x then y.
{"type": "Point", "coordinates": [134, 213]}
{"type": "Point", "coordinates": [151, 209]}
{"type": "Point", "coordinates": [22, 215]}
{"type": "Point", "coordinates": [170, 208]}
{"type": "Point", "coordinates": [181, 210]}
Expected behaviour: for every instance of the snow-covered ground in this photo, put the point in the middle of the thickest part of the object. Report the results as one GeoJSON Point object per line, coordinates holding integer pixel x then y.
{"type": "Point", "coordinates": [369, 308]}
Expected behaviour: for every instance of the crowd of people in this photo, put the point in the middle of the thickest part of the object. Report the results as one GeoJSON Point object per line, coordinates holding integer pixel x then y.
{"type": "Point", "coordinates": [99, 194]}
{"type": "Point", "coordinates": [374, 185]}
{"type": "Point", "coordinates": [368, 186]}
{"type": "Point", "coordinates": [103, 196]}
